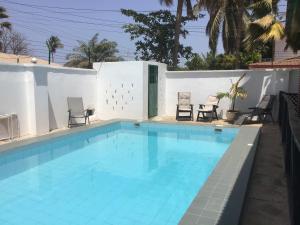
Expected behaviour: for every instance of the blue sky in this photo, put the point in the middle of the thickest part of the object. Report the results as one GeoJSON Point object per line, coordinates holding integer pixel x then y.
{"type": "Point", "coordinates": [38, 23]}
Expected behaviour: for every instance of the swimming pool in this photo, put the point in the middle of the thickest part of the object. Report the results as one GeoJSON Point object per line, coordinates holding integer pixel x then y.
{"type": "Point", "coordinates": [116, 174]}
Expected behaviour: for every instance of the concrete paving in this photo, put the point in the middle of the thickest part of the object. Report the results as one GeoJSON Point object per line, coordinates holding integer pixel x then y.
{"type": "Point", "coordinates": [267, 200]}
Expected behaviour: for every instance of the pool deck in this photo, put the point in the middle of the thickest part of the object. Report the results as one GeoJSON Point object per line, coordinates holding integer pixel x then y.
{"type": "Point", "coordinates": [267, 200]}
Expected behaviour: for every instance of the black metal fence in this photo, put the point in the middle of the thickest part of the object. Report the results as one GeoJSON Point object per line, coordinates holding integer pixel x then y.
{"type": "Point", "coordinates": [290, 132]}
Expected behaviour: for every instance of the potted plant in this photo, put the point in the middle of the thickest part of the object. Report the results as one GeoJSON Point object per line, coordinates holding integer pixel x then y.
{"type": "Point", "coordinates": [234, 92]}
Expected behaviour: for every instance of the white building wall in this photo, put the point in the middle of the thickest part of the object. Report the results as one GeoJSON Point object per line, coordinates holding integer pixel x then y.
{"type": "Point", "coordinates": [120, 87]}
{"type": "Point", "coordinates": [123, 89]}
{"type": "Point", "coordinates": [294, 81]}
{"type": "Point", "coordinates": [201, 84]}
{"type": "Point", "coordinates": [66, 83]}
{"type": "Point", "coordinates": [17, 95]}
{"type": "Point", "coordinates": [37, 94]}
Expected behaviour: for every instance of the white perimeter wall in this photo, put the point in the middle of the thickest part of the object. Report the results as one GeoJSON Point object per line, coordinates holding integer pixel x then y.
{"type": "Point", "coordinates": [201, 84]}
{"type": "Point", "coordinates": [38, 94]}
{"type": "Point", "coordinates": [16, 94]}
{"type": "Point", "coordinates": [294, 81]}
{"type": "Point", "coordinates": [69, 83]}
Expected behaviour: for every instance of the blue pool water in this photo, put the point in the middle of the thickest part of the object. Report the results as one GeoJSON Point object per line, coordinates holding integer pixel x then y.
{"type": "Point", "coordinates": [115, 175]}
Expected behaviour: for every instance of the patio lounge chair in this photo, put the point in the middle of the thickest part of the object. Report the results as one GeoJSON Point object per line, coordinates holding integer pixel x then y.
{"type": "Point", "coordinates": [184, 106]}
{"type": "Point", "coordinates": [262, 110]}
{"type": "Point", "coordinates": [210, 107]}
{"type": "Point", "coordinates": [76, 111]}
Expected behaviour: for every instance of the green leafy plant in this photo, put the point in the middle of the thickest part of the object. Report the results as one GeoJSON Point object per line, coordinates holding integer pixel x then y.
{"type": "Point", "coordinates": [234, 92]}
{"type": "Point", "coordinates": [93, 50]}
{"type": "Point", "coordinates": [154, 36]}
{"type": "Point", "coordinates": [222, 61]}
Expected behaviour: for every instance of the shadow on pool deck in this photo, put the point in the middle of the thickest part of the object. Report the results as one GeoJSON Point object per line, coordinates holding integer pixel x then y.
{"type": "Point", "coordinates": [266, 202]}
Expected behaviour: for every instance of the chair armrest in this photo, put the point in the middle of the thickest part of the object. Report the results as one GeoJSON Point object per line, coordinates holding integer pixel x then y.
{"type": "Point", "coordinates": [201, 106]}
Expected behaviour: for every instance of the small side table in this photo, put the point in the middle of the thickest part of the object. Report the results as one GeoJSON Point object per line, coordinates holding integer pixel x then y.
{"type": "Point", "coordinates": [89, 112]}
{"type": "Point", "coordinates": [12, 123]}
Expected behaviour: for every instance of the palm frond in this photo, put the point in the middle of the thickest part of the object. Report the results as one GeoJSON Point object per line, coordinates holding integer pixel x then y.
{"type": "Point", "coordinates": [275, 32]}
{"type": "Point", "coordinates": [262, 4]}
{"type": "Point", "coordinates": [265, 21]}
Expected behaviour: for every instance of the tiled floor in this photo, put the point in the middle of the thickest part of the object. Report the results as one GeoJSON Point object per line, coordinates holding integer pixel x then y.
{"type": "Point", "coordinates": [267, 200]}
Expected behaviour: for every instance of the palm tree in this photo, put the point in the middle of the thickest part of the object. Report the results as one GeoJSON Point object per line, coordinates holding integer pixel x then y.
{"type": "Point", "coordinates": [190, 14]}
{"type": "Point", "coordinates": [227, 17]}
{"type": "Point", "coordinates": [264, 27]}
{"type": "Point", "coordinates": [53, 43]}
{"type": "Point", "coordinates": [93, 51]}
{"type": "Point", "coordinates": [5, 24]}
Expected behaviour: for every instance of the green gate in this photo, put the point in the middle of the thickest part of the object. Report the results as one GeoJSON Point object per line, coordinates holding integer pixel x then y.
{"type": "Point", "coordinates": [152, 90]}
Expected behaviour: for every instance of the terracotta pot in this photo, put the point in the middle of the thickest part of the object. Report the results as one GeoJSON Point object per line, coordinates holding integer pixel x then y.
{"type": "Point", "coordinates": [231, 116]}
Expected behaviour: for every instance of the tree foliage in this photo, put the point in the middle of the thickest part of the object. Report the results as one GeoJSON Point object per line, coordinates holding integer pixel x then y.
{"type": "Point", "coordinates": [3, 24]}
{"type": "Point", "coordinates": [53, 43]}
{"type": "Point", "coordinates": [293, 24]}
{"type": "Point", "coordinates": [190, 15]}
{"type": "Point", "coordinates": [263, 26]}
{"type": "Point", "coordinates": [221, 61]}
{"type": "Point", "coordinates": [91, 51]}
{"type": "Point", "coordinates": [154, 35]}
{"type": "Point", "coordinates": [13, 42]}
{"type": "Point", "coordinates": [227, 18]}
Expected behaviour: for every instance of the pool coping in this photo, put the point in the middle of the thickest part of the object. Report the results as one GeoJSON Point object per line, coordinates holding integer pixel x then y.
{"type": "Point", "coordinates": [31, 140]}
{"type": "Point", "coordinates": [220, 200]}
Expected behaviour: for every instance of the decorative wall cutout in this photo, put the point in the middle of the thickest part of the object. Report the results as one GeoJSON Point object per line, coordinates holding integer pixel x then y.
{"type": "Point", "coordinates": [119, 95]}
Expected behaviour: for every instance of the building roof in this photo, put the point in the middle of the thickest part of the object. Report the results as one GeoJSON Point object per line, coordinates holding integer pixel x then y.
{"type": "Point", "coordinates": [289, 63]}
{"type": "Point", "coordinates": [11, 58]}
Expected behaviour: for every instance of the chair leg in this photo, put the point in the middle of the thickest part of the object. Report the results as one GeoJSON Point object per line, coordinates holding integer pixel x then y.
{"type": "Point", "coordinates": [198, 116]}
{"type": "Point", "coordinates": [216, 114]}
{"type": "Point", "coordinates": [271, 116]}
{"type": "Point", "coordinates": [260, 119]}
{"type": "Point", "coordinates": [177, 114]}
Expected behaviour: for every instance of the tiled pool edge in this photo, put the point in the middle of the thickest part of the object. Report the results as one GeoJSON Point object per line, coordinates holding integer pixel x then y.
{"type": "Point", "coordinates": [19, 143]}
{"type": "Point", "coordinates": [220, 201]}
